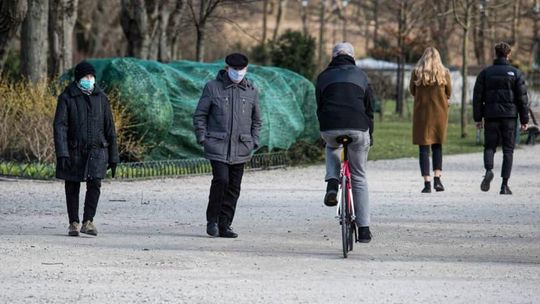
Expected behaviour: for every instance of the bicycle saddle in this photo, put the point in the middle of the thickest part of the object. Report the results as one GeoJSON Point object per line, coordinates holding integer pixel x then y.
{"type": "Point", "coordinates": [344, 139]}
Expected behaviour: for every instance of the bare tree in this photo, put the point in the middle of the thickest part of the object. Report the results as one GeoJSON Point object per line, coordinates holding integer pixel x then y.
{"type": "Point", "coordinates": [304, 15]}
{"type": "Point", "coordinates": [12, 14]}
{"type": "Point", "coordinates": [173, 30]}
{"type": "Point", "coordinates": [34, 41]}
{"type": "Point", "coordinates": [201, 15]}
{"type": "Point", "coordinates": [280, 15]}
{"type": "Point", "coordinates": [97, 34]}
{"type": "Point", "coordinates": [516, 14]}
{"type": "Point", "coordinates": [62, 17]}
{"type": "Point", "coordinates": [322, 26]}
{"type": "Point", "coordinates": [150, 25]}
{"type": "Point", "coordinates": [408, 14]}
{"type": "Point", "coordinates": [139, 22]}
{"type": "Point", "coordinates": [533, 13]}
{"type": "Point", "coordinates": [442, 28]}
{"type": "Point", "coordinates": [479, 33]}
{"type": "Point", "coordinates": [463, 15]}
{"type": "Point", "coordinates": [264, 21]}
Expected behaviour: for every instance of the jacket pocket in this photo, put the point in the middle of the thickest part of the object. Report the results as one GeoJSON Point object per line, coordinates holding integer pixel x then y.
{"type": "Point", "coordinates": [97, 163]}
{"type": "Point", "coordinates": [215, 142]}
{"type": "Point", "coordinates": [246, 145]}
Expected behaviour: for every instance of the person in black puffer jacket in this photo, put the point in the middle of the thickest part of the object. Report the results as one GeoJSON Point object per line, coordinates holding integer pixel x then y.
{"type": "Point", "coordinates": [500, 96]}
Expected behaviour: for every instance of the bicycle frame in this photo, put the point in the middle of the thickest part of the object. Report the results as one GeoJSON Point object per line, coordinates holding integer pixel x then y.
{"type": "Point", "coordinates": [345, 173]}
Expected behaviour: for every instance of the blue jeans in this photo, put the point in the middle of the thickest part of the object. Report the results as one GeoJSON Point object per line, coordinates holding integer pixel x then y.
{"type": "Point", "coordinates": [357, 154]}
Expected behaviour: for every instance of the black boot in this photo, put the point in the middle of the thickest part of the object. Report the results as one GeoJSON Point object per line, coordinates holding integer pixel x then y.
{"type": "Point", "coordinates": [225, 230]}
{"type": "Point", "coordinates": [364, 235]}
{"type": "Point", "coordinates": [212, 229]}
{"type": "Point", "coordinates": [330, 199]}
{"type": "Point", "coordinates": [504, 187]}
{"type": "Point", "coordinates": [484, 186]}
{"type": "Point", "coordinates": [437, 185]}
{"type": "Point", "coordinates": [427, 187]}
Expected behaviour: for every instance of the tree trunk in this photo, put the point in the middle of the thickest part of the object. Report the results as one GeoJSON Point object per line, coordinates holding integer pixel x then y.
{"type": "Point", "coordinates": [515, 24]}
{"type": "Point", "coordinates": [265, 21]}
{"type": "Point", "coordinates": [400, 59]}
{"type": "Point", "coordinates": [62, 17]}
{"type": "Point", "coordinates": [173, 29]}
{"type": "Point", "coordinates": [304, 15]}
{"type": "Point", "coordinates": [12, 14]}
{"type": "Point", "coordinates": [344, 24]}
{"type": "Point", "coordinates": [376, 23]}
{"type": "Point", "coordinates": [139, 23]}
{"type": "Point", "coordinates": [34, 41]}
{"type": "Point", "coordinates": [535, 49]}
{"type": "Point", "coordinates": [201, 36]}
{"type": "Point", "coordinates": [322, 25]}
{"type": "Point", "coordinates": [480, 34]}
{"type": "Point", "coordinates": [442, 31]}
{"type": "Point", "coordinates": [465, 71]}
{"type": "Point", "coordinates": [279, 17]}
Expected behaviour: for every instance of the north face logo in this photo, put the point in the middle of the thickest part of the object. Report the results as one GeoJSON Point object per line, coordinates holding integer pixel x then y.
{"type": "Point", "coordinates": [511, 74]}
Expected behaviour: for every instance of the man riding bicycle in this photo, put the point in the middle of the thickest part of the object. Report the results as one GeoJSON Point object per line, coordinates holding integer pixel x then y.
{"type": "Point", "coordinates": [344, 107]}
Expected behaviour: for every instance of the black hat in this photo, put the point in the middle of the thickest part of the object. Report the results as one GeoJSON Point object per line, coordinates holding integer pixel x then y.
{"type": "Point", "coordinates": [82, 69]}
{"type": "Point", "coordinates": [236, 60]}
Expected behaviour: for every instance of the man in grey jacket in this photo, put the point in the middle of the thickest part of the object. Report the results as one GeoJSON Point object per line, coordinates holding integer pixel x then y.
{"type": "Point", "coordinates": [227, 123]}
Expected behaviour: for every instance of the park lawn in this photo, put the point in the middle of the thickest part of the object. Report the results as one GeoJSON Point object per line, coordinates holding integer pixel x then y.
{"type": "Point", "coordinates": [393, 139]}
{"type": "Point", "coordinates": [393, 136]}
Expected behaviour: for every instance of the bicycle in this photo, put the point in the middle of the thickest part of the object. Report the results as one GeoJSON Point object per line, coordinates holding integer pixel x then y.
{"type": "Point", "coordinates": [345, 207]}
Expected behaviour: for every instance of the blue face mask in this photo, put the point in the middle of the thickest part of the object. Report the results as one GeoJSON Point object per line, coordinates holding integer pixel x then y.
{"type": "Point", "coordinates": [87, 84]}
{"type": "Point", "coordinates": [236, 75]}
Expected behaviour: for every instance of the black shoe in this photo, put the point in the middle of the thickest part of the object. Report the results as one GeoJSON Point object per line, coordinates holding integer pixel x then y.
{"type": "Point", "coordinates": [212, 229]}
{"type": "Point", "coordinates": [227, 232]}
{"type": "Point", "coordinates": [437, 185]}
{"type": "Point", "coordinates": [427, 187]}
{"type": "Point", "coordinates": [364, 235]}
{"type": "Point", "coordinates": [484, 186]}
{"type": "Point", "coordinates": [505, 189]}
{"type": "Point", "coordinates": [330, 199]}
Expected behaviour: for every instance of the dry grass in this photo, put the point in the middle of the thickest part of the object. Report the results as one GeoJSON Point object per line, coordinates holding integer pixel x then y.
{"type": "Point", "coordinates": [26, 123]}
{"type": "Point", "coordinates": [131, 145]}
{"type": "Point", "coordinates": [27, 113]}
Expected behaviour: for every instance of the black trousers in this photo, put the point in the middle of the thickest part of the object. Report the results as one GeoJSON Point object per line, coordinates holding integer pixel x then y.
{"type": "Point", "coordinates": [224, 192]}
{"type": "Point", "coordinates": [436, 150]}
{"type": "Point", "coordinates": [500, 131]}
{"type": "Point", "coordinates": [93, 190]}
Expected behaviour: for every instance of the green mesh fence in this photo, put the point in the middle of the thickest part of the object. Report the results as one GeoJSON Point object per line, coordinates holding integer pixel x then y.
{"type": "Point", "coordinates": [162, 98]}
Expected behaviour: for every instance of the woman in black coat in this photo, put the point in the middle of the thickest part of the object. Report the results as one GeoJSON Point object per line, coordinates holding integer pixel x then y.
{"type": "Point", "coordinates": [85, 144]}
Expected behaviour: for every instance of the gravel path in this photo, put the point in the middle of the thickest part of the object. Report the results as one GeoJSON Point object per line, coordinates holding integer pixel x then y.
{"type": "Point", "coordinates": [458, 246]}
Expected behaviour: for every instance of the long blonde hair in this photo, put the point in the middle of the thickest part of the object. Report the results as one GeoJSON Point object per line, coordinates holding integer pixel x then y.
{"type": "Point", "coordinates": [429, 70]}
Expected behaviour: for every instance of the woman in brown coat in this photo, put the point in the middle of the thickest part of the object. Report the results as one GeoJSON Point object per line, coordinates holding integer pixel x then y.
{"type": "Point", "coordinates": [431, 87]}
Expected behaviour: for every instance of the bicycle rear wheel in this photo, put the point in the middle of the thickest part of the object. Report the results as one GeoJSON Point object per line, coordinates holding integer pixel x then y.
{"type": "Point", "coordinates": [343, 217]}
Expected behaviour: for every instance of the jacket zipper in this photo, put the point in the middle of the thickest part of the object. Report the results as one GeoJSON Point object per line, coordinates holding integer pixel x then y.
{"type": "Point", "coordinates": [231, 108]}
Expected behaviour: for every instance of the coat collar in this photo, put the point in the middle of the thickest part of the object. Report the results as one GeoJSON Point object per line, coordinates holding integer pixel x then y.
{"type": "Point", "coordinates": [341, 60]}
{"type": "Point", "coordinates": [501, 61]}
{"type": "Point", "coordinates": [223, 76]}
{"type": "Point", "coordinates": [74, 90]}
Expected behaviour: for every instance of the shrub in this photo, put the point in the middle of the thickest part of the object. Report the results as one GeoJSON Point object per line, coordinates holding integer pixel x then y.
{"type": "Point", "coordinates": [295, 52]}
{"type": "Point", "coordinates": [26, 112]}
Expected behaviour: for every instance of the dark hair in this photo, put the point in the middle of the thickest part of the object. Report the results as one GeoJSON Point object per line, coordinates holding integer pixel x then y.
{"type": "Point", "coordinates": [502, 49]}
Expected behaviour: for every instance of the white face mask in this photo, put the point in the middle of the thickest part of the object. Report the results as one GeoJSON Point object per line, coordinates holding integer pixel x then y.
{"type": "Point", "coordinates": [236, 75]}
